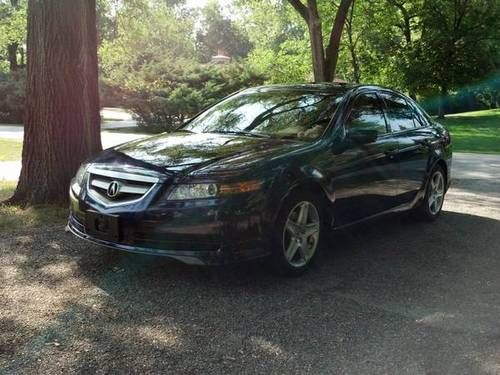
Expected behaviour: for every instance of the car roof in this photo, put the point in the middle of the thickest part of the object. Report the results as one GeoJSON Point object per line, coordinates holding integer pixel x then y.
{"type": "Point", "coordinates": [313, 87]}
{"type": "Point", "coordinates": [319, 87]}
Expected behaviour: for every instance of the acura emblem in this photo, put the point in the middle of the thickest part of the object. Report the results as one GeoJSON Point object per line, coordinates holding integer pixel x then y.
{"type": "Point", "coordinates": [113, 189]}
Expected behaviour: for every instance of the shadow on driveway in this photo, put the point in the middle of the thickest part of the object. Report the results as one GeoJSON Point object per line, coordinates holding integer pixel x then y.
{"type": "Point", "coordinates": [389, 296]}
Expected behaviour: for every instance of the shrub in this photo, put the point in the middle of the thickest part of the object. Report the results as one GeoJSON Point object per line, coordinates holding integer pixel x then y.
{"type": "Point", "coordinates": [12, 88]}
{"type": "Point", "coordinates": [168, 95]}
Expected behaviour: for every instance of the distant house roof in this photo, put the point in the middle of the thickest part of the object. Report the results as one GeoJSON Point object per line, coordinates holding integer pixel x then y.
{"type": "Point", "coordinates": [221, 57]}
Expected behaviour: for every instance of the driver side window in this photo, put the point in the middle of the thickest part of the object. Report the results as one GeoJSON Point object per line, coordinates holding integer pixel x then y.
{"type": "Point", "coordinates": [366, 114]}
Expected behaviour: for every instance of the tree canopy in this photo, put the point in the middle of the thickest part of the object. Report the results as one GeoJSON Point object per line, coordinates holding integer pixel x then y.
{"type": "Point", "coordinates": [148, 49]}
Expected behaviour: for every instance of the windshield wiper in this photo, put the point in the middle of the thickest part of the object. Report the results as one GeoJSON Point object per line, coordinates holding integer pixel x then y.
{"type": "Point", "coordinates": [241, 132]}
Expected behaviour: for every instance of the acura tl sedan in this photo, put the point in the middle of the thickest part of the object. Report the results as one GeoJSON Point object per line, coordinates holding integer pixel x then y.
{"type": "Point", "coordinates": [266, 172]}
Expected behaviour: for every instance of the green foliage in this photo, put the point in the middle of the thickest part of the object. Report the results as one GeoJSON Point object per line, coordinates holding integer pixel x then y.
{"type": "Point", "coordinates": [459, 43]}
{"type": "Point", "coordinates": [12, 27]}
{"type": "Point", "coordinates": [280, 39]}
{"type": "Point", "coordinates": [147, 35]}
{"type": "Point", "coordinates": [218, 32]}
{"type": "Point", "coordinates": [150, 51]}
{"type": "Point", "coordinates": [12, 86]}
{"type": "Point", "coordinates": [183, 90]}
{"type": "Point", "coordinates": [150, 65]}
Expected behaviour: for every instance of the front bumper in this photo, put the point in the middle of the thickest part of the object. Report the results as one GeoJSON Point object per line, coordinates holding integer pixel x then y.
{"type": "Point", "coordinates": [210, 233]}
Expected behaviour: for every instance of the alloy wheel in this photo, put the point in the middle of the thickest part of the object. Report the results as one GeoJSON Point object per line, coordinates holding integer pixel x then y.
{"type": "Point", "coordinates": [436, 192]}
{"type": "Point", "coordinates": [301, 234]}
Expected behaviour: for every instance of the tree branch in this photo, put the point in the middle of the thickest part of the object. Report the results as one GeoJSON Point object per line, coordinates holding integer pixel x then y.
{"type": "Point", "coordinates": [332, 51]}
{"type": "Point", "coordinates": [300, 8]}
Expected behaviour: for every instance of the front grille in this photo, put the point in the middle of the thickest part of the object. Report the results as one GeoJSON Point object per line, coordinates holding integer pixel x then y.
{"type": "Point", "coordinates": [115, 188]}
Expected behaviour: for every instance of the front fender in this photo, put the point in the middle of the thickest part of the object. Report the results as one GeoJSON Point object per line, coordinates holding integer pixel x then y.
{"type": "Point", "coordinates": [289, 181]}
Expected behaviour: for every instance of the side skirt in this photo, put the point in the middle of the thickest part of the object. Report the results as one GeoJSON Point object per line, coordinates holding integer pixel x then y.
{"type": "Point", "coordinates": [401, 208]}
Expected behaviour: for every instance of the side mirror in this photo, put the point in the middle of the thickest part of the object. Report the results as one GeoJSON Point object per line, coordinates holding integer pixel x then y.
{"type": "Point", "coordinates": [362, 136]}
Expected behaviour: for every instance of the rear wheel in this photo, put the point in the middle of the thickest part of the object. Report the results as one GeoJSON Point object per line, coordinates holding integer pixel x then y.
{"type": "Point", "coordinates": [432, 204]}
{"type": "Point", "coordinates": [298, 235]}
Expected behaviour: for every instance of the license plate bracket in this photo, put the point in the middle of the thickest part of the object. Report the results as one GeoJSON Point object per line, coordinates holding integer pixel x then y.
{"type": "Point", "coordinates": [103, 226]}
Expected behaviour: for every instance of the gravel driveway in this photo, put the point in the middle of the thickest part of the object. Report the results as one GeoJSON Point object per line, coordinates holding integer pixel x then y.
{"type": "Point", "coordinates": [390, 296]}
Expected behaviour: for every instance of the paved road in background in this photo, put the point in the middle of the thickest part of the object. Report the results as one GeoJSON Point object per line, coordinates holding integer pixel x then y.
{"type": "Point", "coordinates": [113, 118]}
{"type": "Point", "coordinates": [392, 296]}
{"type": "Point", "coordinates": [9, 170]}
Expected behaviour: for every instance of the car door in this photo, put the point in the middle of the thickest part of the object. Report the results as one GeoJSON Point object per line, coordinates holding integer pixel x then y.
{"type": "Point", "coordinates": [364, 173]}
{"type": "Point", "coordinates": [414, 140]}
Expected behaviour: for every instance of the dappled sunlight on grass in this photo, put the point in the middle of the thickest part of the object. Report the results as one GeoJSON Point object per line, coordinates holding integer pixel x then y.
{"type": "Point", "coordinates": [10, 150]}
{"type": "Point", "coordinates": [6, 189]}
{"type": "Point", "coordinates": [14, 218]}
{"type": "Point", "coordinates": [483, 113]}
{"type": "Point", "coordinates": [475, 131]}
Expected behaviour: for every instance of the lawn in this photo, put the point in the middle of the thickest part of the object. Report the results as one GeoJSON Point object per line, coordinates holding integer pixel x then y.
{"type": "Point", "coordinates": [14, 218]}
{"type": "Point", "coordinates": [10, 150]}
{"type": "Point", "coordinates": [475, 131]}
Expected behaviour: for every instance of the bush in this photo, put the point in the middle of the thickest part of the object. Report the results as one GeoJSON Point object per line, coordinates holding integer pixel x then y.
{"type": "Point", "coordinates": [110, 95]}
{"type": "Point", "coordinates": [12, 88]}
{"type": "Point", "coordinates": [168, 95]}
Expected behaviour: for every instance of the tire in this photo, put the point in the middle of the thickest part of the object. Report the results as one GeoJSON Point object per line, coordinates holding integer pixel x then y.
{"type": "Point", "coordinates": [430, 207]}
{"type": "Point", "coordinates": [295, 242]}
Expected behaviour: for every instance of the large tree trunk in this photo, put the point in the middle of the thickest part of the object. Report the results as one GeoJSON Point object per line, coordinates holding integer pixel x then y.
{"type": "Point", "coordinates": [62, 122]}
{"type": "Point", "coordinates": [316, 38]}
{"type": "Point", "coordinates": [332, 51]}
{"type": "Point", "coordinates": [324, 62]}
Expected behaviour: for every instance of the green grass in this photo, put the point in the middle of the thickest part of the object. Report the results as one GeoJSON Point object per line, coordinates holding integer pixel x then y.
{"type": "Point", "coordinates": [13, 218]}
{"type": "Point", "coordinates": [6, 189]}
{"type": "Point", "coordinates": [475, 131]}
{"type": "Point", "coordinates": [10, 150]}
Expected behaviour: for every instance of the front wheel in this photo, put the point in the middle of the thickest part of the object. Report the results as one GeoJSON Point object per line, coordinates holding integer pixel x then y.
{"type": "Point", "coordinates": [432, 204]}
{"type": "Point", "coordinates": [298, 235]}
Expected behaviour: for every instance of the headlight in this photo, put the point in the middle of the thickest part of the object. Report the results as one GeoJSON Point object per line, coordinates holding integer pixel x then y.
{"type": "Point", "coordinates": [80, 174]}
{"type": "Point", "coordinates": [203, 191]}
{"type": "Point", "coordinates": [79, 179]}
{"type": "Point", "coordinates": [193, 191]}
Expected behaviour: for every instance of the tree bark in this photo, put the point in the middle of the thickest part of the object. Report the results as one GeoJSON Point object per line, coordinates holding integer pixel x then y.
{"type": "Point", "coordinates": [324, 62]}
{"type": "Point", "coordinates": [12, 56]}
{"type": "Point", "coordinates": [332, 51]}
{"type": "Point", "coordinates": [442, 102]}
{"type": "Point", "coordinates": [62, 122]}
{"type": "Point", "coordinates": [21, 61]}
{"type": "Point", "coordinates": [356, 73]}
{"type": "Point", "coordinates": [316, 37]}
{"type": "Point", "coordinates": [12, 47]}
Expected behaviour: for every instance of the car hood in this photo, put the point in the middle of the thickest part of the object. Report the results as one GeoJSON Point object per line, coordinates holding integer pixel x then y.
{"type": "Point", "coordinates": [179, 151]}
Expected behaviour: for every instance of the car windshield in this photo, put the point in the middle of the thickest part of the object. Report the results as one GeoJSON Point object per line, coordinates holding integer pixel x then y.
{"type": "Point", "coordinates": [270, 113]}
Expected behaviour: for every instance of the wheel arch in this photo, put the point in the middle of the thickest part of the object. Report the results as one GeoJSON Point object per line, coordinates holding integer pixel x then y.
{"type": "Point", "coordinates": [309, 185]}
{"type": "Point", "coordinates": [441, 163]}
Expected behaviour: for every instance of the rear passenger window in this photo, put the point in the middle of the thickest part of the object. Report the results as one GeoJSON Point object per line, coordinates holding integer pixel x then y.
{"type": "Point", "coordinates": [399, 113]}
{"type": "Point", "coordinates": [366, 113]}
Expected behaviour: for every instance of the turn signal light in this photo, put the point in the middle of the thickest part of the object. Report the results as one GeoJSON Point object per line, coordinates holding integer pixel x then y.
{"type": "Point", "coordinates": [240, 187]}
